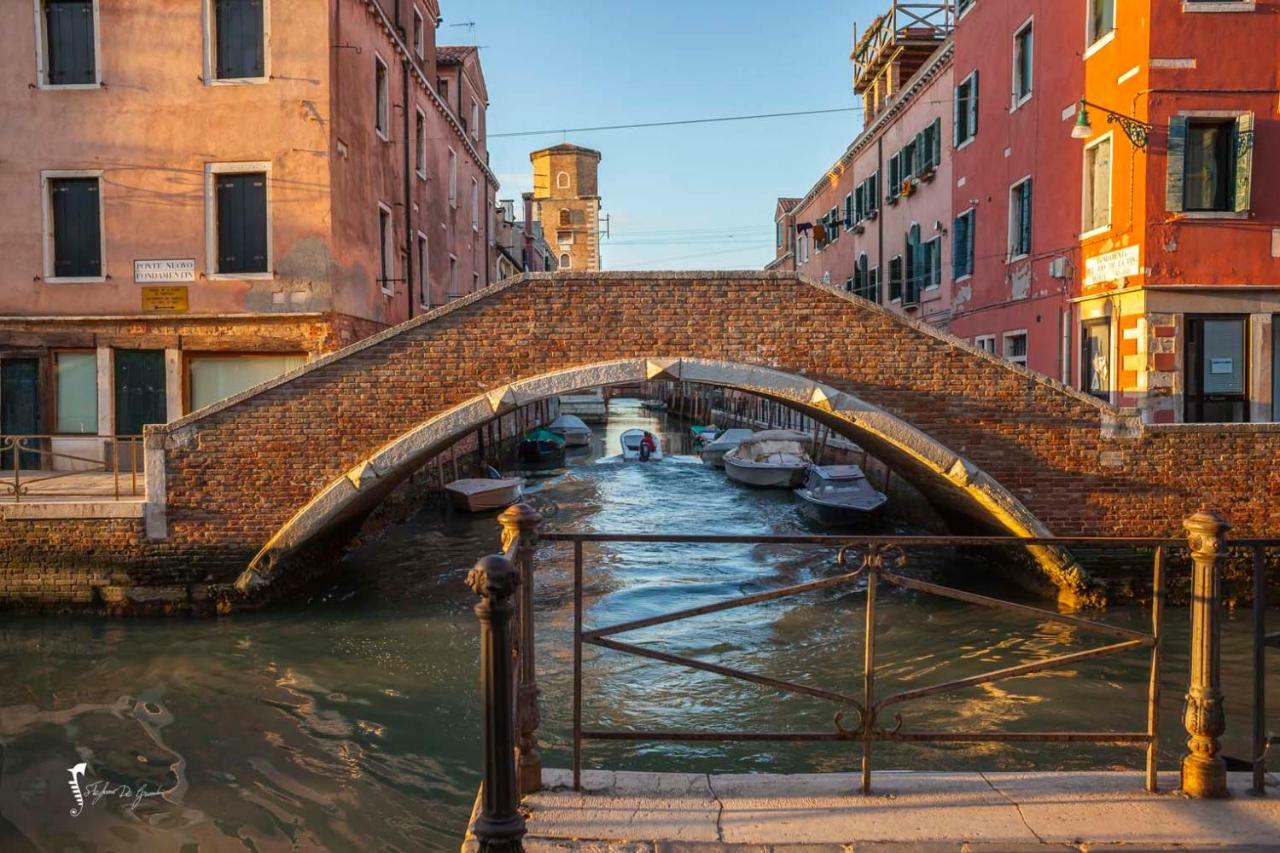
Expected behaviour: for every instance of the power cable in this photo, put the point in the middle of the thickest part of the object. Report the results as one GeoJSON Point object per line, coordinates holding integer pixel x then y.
{"type": "Point", "coordinates": [711, 120]}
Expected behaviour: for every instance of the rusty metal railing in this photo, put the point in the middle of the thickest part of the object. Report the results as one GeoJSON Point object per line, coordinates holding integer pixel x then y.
{"type": "Point", "coordinates": [31, 469]}
{"type": "Point", "coordinates": [1261, 740]}
{"type": "Point", "coordinates": [878, 557]}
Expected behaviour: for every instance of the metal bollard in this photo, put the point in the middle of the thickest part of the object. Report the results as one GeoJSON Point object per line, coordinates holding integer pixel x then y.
{"type": "Point", "coordinates": [500, 826]}
{"type": "Point", "coordinates": [1204, 772]}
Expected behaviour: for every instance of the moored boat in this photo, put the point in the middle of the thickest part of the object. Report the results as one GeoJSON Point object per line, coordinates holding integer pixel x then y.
{"type": "Point", "coordinates": [571, 428]}
{"type": "Point", "coordinates": [840, 496]}
{"type": "Point", "coordinates": [703, 434]}
{"type": "Point", "coordinates": [773, 459]}
{"type": "Point", "coordinates": [481, 494]}
{"type": "Point", "coordinates": [654, 405]}
{"type": "Point", "coordinates": [541, 449]}
{"type": "Point", "coordinates": [633, 446]}
{"type": "Point", "coordinates": [713, 451]}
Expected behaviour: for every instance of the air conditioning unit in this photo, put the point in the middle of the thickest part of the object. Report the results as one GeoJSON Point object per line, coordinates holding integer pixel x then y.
{"type": "Point", "coordinates": [1058, 268]}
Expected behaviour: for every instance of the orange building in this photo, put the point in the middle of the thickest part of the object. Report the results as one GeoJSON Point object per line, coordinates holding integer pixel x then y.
{"type": "Point", "coordinates": [566, 198]}
{"type": "Point", "coordinates": [197, 196]}
{"type": "Point", "coordinates": [1179, 296]}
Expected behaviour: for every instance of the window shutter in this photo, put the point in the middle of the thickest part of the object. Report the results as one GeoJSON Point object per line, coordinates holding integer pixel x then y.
{"type": "Point", "coordinates": [874, 194]}
{"type": "Point", "coordinates": [957, 247]}
{"type": "Point", "coordinates": [1025, 224]}
{"type": "Point", "coordinates": [973, 104]}
{"type": "Point", "coordinates": [955, 116]}
{"type": "Point", "coordinates": [77, 235]}
{"type": "Point", "coordinates": [937, 263]}
{"type": "Point", "coordinates": [937, 142]}
{"type": "Point", "coordinates": [242, 223]}
{"type": "Point", "coordinates": [1244, 139]}
{"type": "Point", "coordinates": [69, 42]}
{"type": "Point", "coordinates": [971, 228]}
{"type": "Point", "coordinates": [1174, 188]}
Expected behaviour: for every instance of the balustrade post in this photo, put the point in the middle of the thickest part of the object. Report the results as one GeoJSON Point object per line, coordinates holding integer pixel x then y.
{"type": "Point", "coordinates": [520, 524]}
{"type": "Point", "coordinates": [1204, 772]}
{"type": "Point", "coordinates": [500, 826]}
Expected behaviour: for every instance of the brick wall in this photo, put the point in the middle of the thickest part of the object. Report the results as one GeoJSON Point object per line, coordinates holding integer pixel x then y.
{"type": "Point", "coordinates": [239, 473]}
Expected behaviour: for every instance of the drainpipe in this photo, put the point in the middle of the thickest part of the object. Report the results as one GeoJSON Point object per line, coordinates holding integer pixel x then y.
{"type": "Point", "coordinates": [881, 284]}
{"type": "Point", "coordinates": [408, 177]}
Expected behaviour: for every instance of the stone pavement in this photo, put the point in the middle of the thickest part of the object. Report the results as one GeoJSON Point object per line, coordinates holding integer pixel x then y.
{"type": "Point", "coordinates": [639, 812]}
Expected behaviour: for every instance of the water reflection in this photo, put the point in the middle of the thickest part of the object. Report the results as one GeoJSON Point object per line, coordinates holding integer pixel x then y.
{"type": "Point", "coordinates": [349, 720]}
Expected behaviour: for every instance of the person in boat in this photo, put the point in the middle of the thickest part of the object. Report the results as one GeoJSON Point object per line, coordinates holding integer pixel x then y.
{"type": "Point", "coordinates": [647, 447]}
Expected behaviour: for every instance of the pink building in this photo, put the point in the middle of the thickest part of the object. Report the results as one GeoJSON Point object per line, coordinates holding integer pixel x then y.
{"type": "Point", "coordinates": [195, 197]}
{"type": "Point", "coordinates": [878, 222]}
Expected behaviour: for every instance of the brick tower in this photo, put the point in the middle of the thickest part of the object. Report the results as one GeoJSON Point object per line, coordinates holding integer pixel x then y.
{"type": "Point", "coordinates": [566, 198]}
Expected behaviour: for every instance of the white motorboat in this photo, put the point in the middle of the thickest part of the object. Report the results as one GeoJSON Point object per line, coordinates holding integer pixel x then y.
{"type": "Point", "coordinates": [482, 494]}
{"type": "Point", "coordinates": [775, 459]}
{"type": "Point", "coordinates": [840, 496]}
{"type": "Point", "coordinates": [713, 451]}
{"type": "Point", "coordinates": [633, 446]}
{"type": "Point", "coordinates": [571, 428]}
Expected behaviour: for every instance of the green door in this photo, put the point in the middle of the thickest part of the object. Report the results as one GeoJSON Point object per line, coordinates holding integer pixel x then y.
{"type": "Point", "coordinates": [20, 406]}
{"type": "Point", "coordinates": [140, 390]}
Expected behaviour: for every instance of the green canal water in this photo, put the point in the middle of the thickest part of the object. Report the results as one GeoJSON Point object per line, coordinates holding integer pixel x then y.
{"type": "Point", "coordinates": [349, 720]}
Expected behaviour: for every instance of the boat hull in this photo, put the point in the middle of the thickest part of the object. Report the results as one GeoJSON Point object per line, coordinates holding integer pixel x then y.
{"type": "Point", "coordinates": [714, 458]}
{"type": "Point", "coordinates": [828, 514]}
{"type": "Point", "coordinates": [764, 476]}
{"type": "Point", "coordinates": [574, 439]}
{"type": "Point", "coordinates": [503, 494]}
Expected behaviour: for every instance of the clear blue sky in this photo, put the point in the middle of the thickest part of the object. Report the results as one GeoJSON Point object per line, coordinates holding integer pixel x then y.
{"type": "Point", "coordinates": [693, 197]}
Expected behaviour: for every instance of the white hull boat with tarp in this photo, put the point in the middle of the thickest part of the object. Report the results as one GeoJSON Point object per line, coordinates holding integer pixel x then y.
{"type": "Point", "coordinates": [482, 494]}
{"type": "Point", "coordinates": [571, 428]}
{"type": "Point", "coordinates": [633, 446]}
{"type": "Point", "coordinates": [713, 451]}
{"type": "Point", "coordinates": [773, 459]}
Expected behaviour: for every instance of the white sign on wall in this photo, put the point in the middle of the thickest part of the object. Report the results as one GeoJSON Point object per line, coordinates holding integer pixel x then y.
{"type": "Point", "coordinates": [1121, 263]}
{"type": "Point", "coordinates": [171, 270]}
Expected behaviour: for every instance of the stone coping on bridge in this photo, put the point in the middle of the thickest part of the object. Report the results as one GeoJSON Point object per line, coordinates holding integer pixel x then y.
{"type": "Point", "coordinates": [639, 812]}
{"type": "Point", "coordinates": [73, 508]}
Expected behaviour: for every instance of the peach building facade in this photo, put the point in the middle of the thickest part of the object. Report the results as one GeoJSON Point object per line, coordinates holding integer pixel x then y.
{"type": "Point", "coordinates": [200, 195]}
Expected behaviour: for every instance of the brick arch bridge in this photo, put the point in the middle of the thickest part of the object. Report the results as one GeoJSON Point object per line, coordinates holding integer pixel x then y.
{"type": "Point", "coordinates": [240, 490]}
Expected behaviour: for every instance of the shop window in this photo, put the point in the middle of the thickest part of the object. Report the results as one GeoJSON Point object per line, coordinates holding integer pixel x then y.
{"type": "Point", "coordinates": [140, 394]}
{"type": "Point", "coordinates": [1095, 359]}
{"type": "Point", "coordinates": [1023, 63]}
{"type": "Point", "coordinates": [239, 39]}
{"type": "Point", "coordinates": [1097, 186]}
{"type": "Point", "coordinates": [75, 227]}
{"type": "Point", "coordinates": [70, 48]}
{"type": "Point", "coordinates": [241, 202]}
{"type": "Point", "coordinates": [76, 397]}
{"type": "Point", "coordinates": [1015, 347]}
{"type": "Point", "coordinates": [1215, 370]}
{"type": "Point", "coordinates": [1210, 164]}
{"type": "Point", "coordinates": [213, 378]}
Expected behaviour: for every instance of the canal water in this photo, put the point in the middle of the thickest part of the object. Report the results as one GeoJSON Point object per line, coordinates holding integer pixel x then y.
{"type": "Point", "coordinates": [349, 720]}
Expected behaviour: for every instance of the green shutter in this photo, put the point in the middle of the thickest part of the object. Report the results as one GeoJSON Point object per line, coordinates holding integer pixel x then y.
{"type": "Point", "coordinates": [937, 142]}
{"type": "Point", "coordinates": [1244, 139]}
{"type": "Point", "coordinates": [973, 105]}
{"type": "Point", "coordinates": [1175, 185]}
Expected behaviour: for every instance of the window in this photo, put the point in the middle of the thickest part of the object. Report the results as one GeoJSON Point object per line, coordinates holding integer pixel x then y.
{"type": "Point", "coordinates": [69, 48]}
{"type": "Point", "coordinates": [777, 227]}
{"type": "Point", "coordinates": [562, 180]}
{"type": "Point", "coordinates": [1015, 347]}
{"type": "Point", "coordinates": [475, 205]}
{"type": "Point", "coordinates": [424, 278]}
{"type": "Point", "coordinates": [566, 218]}
{"type": "Point", "coordinates": [1095, 359]}
{"type": "Point", "coordinates": [76, 379]}
{"type": "Point", "coordinates": [907, 160]}
{"type": "Point", "coordinates": [564, 238]}
{"type": "Point", "coordinates": [442, 88]}
{"type": "Point", "coordinates": [475, 282]}
{"type": "Point", "coordinates": [475, 119]}
{"type": "Point", "coordinates": [453, 178]}
{"type": "Point", "coordinates": [73, 224]}
{"type": "Point", "coordinates": [962, 243]}
{"type": "Point", "coordinates": [895, 279]}
{"type": "Point", "coordinates": [419, 35]}
{"type": "Point", "coordinates": [386, 249]}
{"type": "Point", "coordinates": [1102, 19]}
{"type": "Point", "coordinates": [928, 147]}
{"type": "Point", "coordinates": [1022, 64]}
{"type": "Point", "coordinates": [986, 343]}
{"type": "Point", "coordinates": [453, 277]}
{"type": "Point", "coordinates": [1215, 369]}
{"type": "Point", "coordinates": [965, 110]}
{"type": "Point", "coordinates": [213, 378]}
{"type": "Point", "coordinates": [564, 261]}
{"type": "Point", "coordinates": [931, 270]}
{"type": "Point", "coordinates": [238, 39]}
{"type": "Point", "coordinates": [381, 98]}
{"type": "Point", "coordinates": [917, 267]}
{"type": "Point", "coordinates": [420, 144]}
{"type": "Point", "coordinates": [963, 6]}
{"type": "Point", "coordinates": [1020, 219]}
{"type": "Point", "coordinates": [1210, 166]}
{"type": "Point", "coordinates": [1097, 186]}
{"type": "Point", "coordinates": [895, 176]}
{"type": "Point", "coordinates": [240, 221]}
{"type": "Point", "coordinates": [849, 209]}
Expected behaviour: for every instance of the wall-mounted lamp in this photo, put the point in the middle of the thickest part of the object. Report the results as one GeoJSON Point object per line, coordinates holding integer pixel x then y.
{"type": "Point", "coordinates": [1137, 131]}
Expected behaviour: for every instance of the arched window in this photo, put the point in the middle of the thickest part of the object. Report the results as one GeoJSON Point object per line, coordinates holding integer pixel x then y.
{"type": "Point", "coordinates": [564, 261]}
{"type": "Point", "coordinates": [562, 180]}
{"type": "Point", "coordinates": [565, 216]}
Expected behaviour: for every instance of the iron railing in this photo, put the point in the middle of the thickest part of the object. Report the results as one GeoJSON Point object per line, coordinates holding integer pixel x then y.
{"type": "Point", "coordinates": [1261, 741]}
{"type": "Point", "coordinates": [30, 468]}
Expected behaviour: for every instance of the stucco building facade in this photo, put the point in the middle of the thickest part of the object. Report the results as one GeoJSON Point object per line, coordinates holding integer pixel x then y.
{"type": "Point", "coordinates": [199, 196]}
{"type": "Point", "coordinates": [566, 198]}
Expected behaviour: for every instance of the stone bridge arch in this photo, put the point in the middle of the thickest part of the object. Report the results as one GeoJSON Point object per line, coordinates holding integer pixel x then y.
{"type": "Point", "coordinates": [248, 481]}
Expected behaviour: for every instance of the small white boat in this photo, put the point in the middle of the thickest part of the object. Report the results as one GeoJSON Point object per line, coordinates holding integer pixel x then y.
{"type": "Point", "coordinates": [633, 446]}
{"type": "Point", "coordinates": [654, 405]}
{"type": "Point", "coordinates": [840, 496]}
{"type": "Point", "coordinates": [482, 494]}
{"type": "Point", "coordinates": [713, 452]}
{"type": "Point", "coordinates": [571, 428]}
{"type": "Point", "coordinates": [773, 459]}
